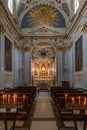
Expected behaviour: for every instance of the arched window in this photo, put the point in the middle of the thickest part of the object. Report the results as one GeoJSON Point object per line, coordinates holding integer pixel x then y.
{"type": "Point", "coordinates": [17, 2]}
{"type": "Point", "coordinates": [76, 5]}
{"type": "Point", "coordinates": [10, 5]}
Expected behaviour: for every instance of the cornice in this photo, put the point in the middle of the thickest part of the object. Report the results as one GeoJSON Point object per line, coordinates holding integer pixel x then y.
{"type": "Point", "coordinates": [31, 32]}
{"type": "Point", "coordinates": [77, 18]}
{"type": "Point", "coordinates": [2, 29]}
{"type": "Point", "coordinates": [63, 47]}
{"type": "Point", "coordinates": [8, 15]}
{"type": "Point", "coordinates": [85, 27]}
{"type": "Point", "coordinates": [16, 46]}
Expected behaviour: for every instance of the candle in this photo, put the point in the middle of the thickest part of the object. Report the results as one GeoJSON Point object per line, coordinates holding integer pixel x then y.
{"type": "Point", "coordinates": [66, 97]}
{"type": "Point", "coordinates": [85, 102]}
{"type": "Point", "coordinates": [3, 98]}
{"type": "Point", "coordinates": [14, 98]}
{"type": "Point", "coordinates": [73, 100]}
{"type": "Point", "coordinates": [79, 100]}
{"type": "Point", "coordinates": [23, 98]}
{"type": "Point", "coordinates": [9, 98]}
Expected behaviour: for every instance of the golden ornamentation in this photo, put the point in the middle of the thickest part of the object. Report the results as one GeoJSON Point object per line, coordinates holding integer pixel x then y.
{"type": "Point", "coordinates": [26, 48]}
{"type": "Point", "coordinates": [43, 15]}
{"type": "Point", "coordinates": [2, 29]}
{"type": "Point", "coordinates": [84, 28]}
{"type": "Point", "coordinates": [16, 46]}
{"type": "Point", "coordinates": [60, 48]}
{"type": "Point", "coordinates": [70, 46]}
{"type": "Point", "coordinates": [28, 1]}
{"type": "Point", "coordinates": [58, 1]}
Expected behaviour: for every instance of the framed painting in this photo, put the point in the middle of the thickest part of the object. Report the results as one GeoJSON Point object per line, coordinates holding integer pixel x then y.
{"type": "Point", "coordinates": [8, 55]}
{"type": "Point", "coordinates": [79, 55]}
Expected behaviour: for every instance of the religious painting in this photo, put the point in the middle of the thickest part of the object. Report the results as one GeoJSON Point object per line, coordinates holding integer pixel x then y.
{"type": "Point", "coordinates": [8, 55]}
{"type": "Point", "coordinates": [78, 55]}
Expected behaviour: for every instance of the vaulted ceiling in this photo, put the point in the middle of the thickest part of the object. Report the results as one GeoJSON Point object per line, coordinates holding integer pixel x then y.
{"type": "Point", "coordinates": [54, 13]}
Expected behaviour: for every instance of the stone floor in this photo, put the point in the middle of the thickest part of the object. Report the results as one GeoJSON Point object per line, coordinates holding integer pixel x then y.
{"type": "Point", "coordinates": [42, 116]}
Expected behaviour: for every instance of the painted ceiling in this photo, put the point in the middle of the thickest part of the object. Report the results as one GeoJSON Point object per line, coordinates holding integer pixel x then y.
{"type": "Point", "coordinates": [43, 14]}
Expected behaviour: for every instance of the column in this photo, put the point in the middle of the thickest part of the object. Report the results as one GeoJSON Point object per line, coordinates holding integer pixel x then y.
{"type": "Point", "coordinates": [30, 75]}
{"type": "Point", "coordinates": [60, 67]}
{"type": "Point", "coordinates": [56, 63]}
{"type": "Point", "coordinates": [65, 62]}
{"type": "Point", "coordinates": [27, 67]}
{"type": "Point", "coordinates": [1, 60]}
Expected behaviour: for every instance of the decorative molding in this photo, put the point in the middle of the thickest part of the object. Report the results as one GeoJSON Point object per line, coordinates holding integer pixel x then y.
{"type": "Point", "coordinates": [60, 48]}
{"type": "Point", "coordinates": [85, 27]}
{"type": "Point", "coordinates": [2, 29]}
{"type": "Point", "coordinates": [58, 1]}
{"type": "Point", "coordinates": [78, 17]}
{"type": "Point", "coordinates": [69, 46]}
{"type": "Point", "coordinates": [26, 48]}
{"type": "Point", "coordinates": [28, 1]}
{"type": "Point", "coordinates": [16, 46]}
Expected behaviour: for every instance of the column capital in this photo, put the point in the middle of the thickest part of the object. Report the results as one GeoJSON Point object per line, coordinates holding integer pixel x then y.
{"type": "Point", "coordinates": [85, 27]}
{"type": "Point", "coordinates": [2, 29]}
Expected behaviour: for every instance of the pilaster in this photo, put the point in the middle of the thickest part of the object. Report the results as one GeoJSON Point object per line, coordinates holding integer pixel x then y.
{"type": "Point", "coordinates": [1, 60]}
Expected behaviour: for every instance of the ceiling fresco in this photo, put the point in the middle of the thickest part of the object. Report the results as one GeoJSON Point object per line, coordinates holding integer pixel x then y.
{"type": "Point", "coordinates": [43, 14]}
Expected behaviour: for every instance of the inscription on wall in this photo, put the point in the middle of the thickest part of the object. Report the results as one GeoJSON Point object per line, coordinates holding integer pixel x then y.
{"type": "Point", "coordinates": [8, 78]}
{"type": "Point", "coordinates": [79, 78]}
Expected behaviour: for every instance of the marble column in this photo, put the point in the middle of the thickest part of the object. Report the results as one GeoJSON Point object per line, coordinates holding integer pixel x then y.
{"type": "Point", "coordinates": [56, 64]}
{"type": "Point", "coordinates": [30, 75]}
{"type": "Point", "coordinates": [1, 60]}
{"type": "Point", "coordinates": [60, 67]}
{"type": "Point", "coordinates": [27, 67]}
{"type": "Point", "coordinates": [65, 62]}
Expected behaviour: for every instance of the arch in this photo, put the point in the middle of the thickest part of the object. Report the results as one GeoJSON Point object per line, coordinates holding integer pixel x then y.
{"type": "Point", "coordinates": [31, 8]}
{"type": "Point", "coordinates": [46, 41]}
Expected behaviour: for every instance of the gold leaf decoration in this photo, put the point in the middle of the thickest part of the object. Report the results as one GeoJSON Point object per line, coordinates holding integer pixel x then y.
{"type": "Point", "coordinates": [43, 15]}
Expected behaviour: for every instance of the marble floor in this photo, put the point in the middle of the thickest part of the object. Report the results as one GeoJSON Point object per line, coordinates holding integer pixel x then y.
{"type": "Point", "coordinates": [42, 116]}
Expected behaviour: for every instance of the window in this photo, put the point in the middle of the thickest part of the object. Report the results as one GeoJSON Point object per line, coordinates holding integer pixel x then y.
{"type": "Point", "coordinates": [17, 2]}
{"type": "Point", "coordinates": [10, 5]}
{"type": "Point", "coordinates": [76, 5]}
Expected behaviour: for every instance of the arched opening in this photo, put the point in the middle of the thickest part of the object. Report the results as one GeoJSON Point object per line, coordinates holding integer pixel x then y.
{"type": "Point", "coordinates": [43, 65]}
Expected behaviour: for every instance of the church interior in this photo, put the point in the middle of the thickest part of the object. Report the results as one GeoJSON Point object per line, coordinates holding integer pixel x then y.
{"type": "Point", "coordinates": [43, 64]}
